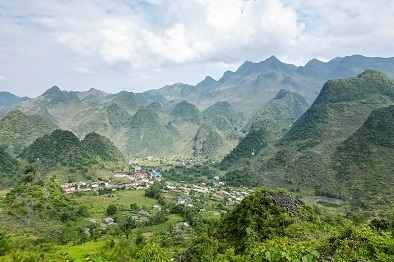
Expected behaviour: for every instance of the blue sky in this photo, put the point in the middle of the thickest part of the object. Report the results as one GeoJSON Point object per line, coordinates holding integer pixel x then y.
{"type": "Point", "coordinates": [115, 45]}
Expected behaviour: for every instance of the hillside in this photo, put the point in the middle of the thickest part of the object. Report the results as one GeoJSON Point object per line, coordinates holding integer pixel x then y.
{"type": "Point", "coordinates": [183, 109]}
{"type": "Point", "coordinates": [364, 161]}
{"type": "Point", "coordinates": [64, 148]}
{"type": "Point", "coordinates": [279, 113]}
{"type": "Point", "coordinates": [186, 112]}
{"type": "Point", "coordinates": [302, 158]}
{"type": "Point", "coordinates": [9, 169]}
{"type": "Point", "coordinates": [18, 130]}
{"type": "Point", "coordinates": [40, 206]}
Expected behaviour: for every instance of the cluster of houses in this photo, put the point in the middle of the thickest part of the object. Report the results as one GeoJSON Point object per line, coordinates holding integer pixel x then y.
{"type": "Point", "coordinates": [139, 180]}
{"type": "Point", "coordinates": [231, 196]}
{"type": "Point", "coordinates": [87, 186]}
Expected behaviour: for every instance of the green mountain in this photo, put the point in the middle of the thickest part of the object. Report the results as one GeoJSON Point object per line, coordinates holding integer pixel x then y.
{"type": "Point", "coordinates": [149, 135]}
{"type": "Point", "coordinates": [64, 148]}
{"type": "Point", "coordinates": [9, 169]}
{"type": "Point", "coordinates": [279, 113]}
{"type": "Point", "coordinates": [302, 160]}
{"type": "Point", "coordinates": [345, 104]}
{"type": "Point", "coordinates": [17, 130]}
{"type": "Point", "coordinates": [265, 214]}
{"type": "Point", "coordinates": [182, 108]}
{"type": "Point", "coordinates": [219, 130]}
{"type": "Point", "coordinates": [186, 112]}
{"type": "Point", "coordinates": [248, 147]}
{"type": "Point", "coordinates": [40, 206]}
{"type": "Point", "coordinates": [364, 161]}
{"type": "Point", "coordinates": [207, 142]}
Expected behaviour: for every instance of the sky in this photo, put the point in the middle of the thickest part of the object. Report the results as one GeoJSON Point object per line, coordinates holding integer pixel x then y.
{"type": "Point", "coordinates": [137, 45]}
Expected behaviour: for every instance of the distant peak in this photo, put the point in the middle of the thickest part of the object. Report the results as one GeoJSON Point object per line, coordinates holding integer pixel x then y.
{"type": "Point", "coordinates": [52, 91]}
{"type": "Point", "coordinates": [273, 58]}
{"type": "Point", "coordinates": [208, 80]}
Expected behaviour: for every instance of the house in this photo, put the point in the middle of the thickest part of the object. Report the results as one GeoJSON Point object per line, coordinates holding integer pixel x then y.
{"type": "Point", "coordinates": [120, 175]}
{"type": "Point", "coordinates": [87, 231]}
{"type": "Point", "coordinates": [143, 212]}
{"type": "Point", "coordinates": [182, 224]}
{"type": "Point", "coordinates": [137, 168]}
{"type": "Point", "coordinates": [109, 221]}
{"type": "Point", "coordinates": [181, 201]}
{"type": "Point", "coordinates": [157, 207]}
{"type": "Point", "coordinates": [142, 219]}
{"type": "Point", "coordinates": [92, 220]}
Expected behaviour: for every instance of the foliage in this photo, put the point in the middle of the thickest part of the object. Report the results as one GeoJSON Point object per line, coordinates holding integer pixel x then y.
{"type": "Point", "coordinates": [194, 174]}
{"type": "Point", "coordinates": [152, 252]}
{"type": "Point", "coordinates": [185, 111]}
{"type": "Point", "coordinates": [154, 191]}
{"type": "Point", "coordinates": [111, 210]}
{"type": "Point", "coordinates": [282, 249]}
{"type": "Point", "coordinates": [9, 169]}
{"type": "Point", "coordinates": [64, 147]}
{"type": "Point", "coordinates": [248, 147]}
{"type": "Point", "coordinates": [37, 202]}
{"type": "Point", "coordinates": [363, 161]}
{"type": "Point", "coordinates": [279, 113]}
{"type": "Point", "coordinates": [243, 177]}
{"type": "Point", "coordinates": [17, 130]}
{"type": "Point", "coordinates": [260, 216]}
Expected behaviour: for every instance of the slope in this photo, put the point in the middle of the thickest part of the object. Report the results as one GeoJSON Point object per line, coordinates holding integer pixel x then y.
{"type": "Point", "coordinates": [9, 169]}
{"type": "Point", "coordinates": [303, 156]}
{"type": "Point", "coordinates": [17, 130]}
{"type": "Point", "coordinates": [64, 148]}
{"type": "Point", "coordinates": [364, 162]}
{"type": "Point", "coordinates": [279, 113]}
{"type": "Point", "coordinates": [40, 206]}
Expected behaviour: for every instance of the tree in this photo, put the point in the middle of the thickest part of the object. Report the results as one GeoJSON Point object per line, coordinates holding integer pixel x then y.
{"type": "Point", "coordinates": [134, 207]}
{"type": "Point", "coordinates": [152, 253]}
{"type": "Point", "coordinates": [111, 210]}
{"type": "Point", "coordinates": [128, 226]}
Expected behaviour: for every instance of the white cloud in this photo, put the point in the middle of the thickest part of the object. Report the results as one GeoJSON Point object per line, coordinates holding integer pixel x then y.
{"type": "Point", "coordinates": [146, 44]}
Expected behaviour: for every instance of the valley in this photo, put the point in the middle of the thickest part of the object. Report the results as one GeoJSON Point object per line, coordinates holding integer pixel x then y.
{"type": "Point", "coordinates": [272, 162]}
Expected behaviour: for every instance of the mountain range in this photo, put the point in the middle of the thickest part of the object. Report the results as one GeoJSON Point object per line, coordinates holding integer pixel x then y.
{"type": "Point", "coordinates": [258, 118]}
{"type": "Point", "coordinates": [340, 147]}
{"type": "Point", "coordinates": [182, 119]}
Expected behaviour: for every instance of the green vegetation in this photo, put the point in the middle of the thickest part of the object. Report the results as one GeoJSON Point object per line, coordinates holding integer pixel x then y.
{"type": "Point", "coordinates": [9, 169]}
{"type": "Point", "coordinates": [248, 147]}
{"type": "Point", "coordinates": [17, 130]}
{"type": "Point", "coordinates": [364, 161]}
{"type": "Point", "coordinates": [279, 113]}
{"type": "Point", "coordinates": [39, 204]}
{"type": "Point", "coordinates": [185, 111]}
{"type": "Point", "coordinates": [64, 148]}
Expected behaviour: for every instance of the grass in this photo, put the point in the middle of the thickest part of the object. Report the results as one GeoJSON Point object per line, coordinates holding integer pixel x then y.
{"type": "Point", "coordinates": [4, 192]}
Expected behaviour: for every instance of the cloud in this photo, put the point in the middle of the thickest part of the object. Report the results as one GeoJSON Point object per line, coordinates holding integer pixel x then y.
{"type": "Point", "coordinates": [83, 70]}
{"type": "Point", "coordinates": [149, 43]}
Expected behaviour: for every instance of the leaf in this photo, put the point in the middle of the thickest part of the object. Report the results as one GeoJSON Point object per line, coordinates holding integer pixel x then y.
{"type": "Point", "coordinates": [315, 253]}
{"type": "Point", "coordinates": [268, 255]}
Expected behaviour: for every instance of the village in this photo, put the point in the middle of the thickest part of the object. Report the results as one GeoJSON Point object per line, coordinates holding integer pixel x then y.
{"type": "Point", "coordinates": [220, 196]}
